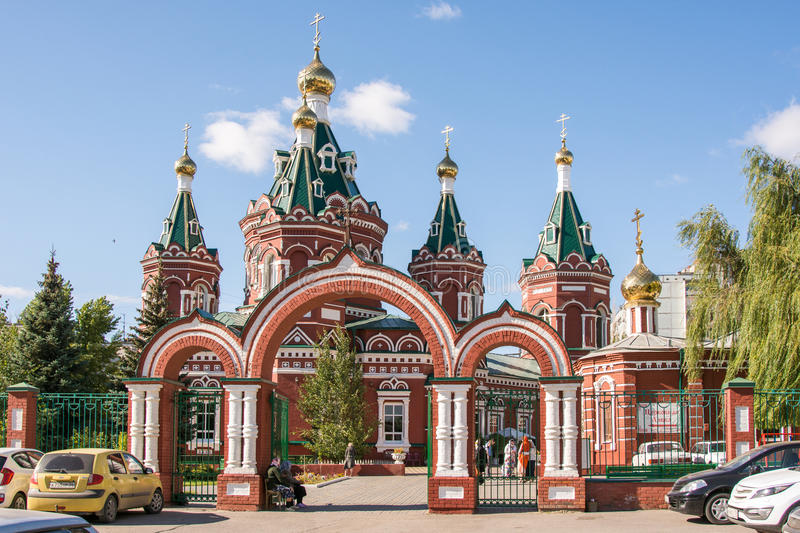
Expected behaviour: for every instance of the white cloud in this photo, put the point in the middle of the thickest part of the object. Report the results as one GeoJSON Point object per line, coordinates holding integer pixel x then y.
{"type": "Point", "coordinates": [123, 300]}
{"type": "Point", "coordinates": [375, 107]}
{"type": "Point", "coordinates": [401, 225]}
{"type": "Point", "coordinates": [244, 141]}
{"type": "Point", "coordinates": [15, 292]}
{"type": "Point", "coordinates": [291, 104]}
{"type": "Point", "coordinates": [778, 133]}
{"type": "Point", "coordinates": [441, 11]}
{"type": "Point", "coordinates": [675, 179]}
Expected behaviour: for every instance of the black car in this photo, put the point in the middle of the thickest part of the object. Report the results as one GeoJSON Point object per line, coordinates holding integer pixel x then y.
{"type": "Point", "coordinates": [706, 493]}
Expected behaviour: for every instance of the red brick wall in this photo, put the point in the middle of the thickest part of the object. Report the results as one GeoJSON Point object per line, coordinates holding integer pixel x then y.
{"type": "Point", "coordinates": [452, 506]}
{"type": "Point", "coordinates": [255, 501]}
{"type": "Point", "coordinates": [627, 495]}
{"type": "Point", "coordinates": [578, 503]}
{"type": "Point", "coordinates": [25, 400]}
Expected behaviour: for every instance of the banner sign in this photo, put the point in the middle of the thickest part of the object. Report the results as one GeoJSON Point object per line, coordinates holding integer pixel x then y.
{"type": "Point", "coordinates": [657, 417]}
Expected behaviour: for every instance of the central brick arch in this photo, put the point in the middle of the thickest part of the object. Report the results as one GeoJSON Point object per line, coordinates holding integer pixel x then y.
{"type": "Point", "coordinates": [347, 275]}
{"type": "Point", "coordinates": [508, 327]}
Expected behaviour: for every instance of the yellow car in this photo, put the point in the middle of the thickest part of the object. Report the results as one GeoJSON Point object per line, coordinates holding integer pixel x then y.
{"type": "Point", "coordinates": [92, 480]}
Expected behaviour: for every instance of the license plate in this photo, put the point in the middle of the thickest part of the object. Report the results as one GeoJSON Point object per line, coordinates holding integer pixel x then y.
{"type": "Point", "coordinates": [733, 513]}
{"type": "Point", "coordinates": [62, 484]}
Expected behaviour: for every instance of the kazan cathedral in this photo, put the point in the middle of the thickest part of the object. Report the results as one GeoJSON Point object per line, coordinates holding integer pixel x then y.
{"type": "Point", "coordinates": [314, 208]}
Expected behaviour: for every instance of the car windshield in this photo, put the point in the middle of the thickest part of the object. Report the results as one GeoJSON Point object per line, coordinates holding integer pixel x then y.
{"type": "Point", "coordinates": [67, 463]}
{"type": "Point", "coordinates": [717, 446]}
{"type": "Point", "coordinates": [742, 459]}
{"type": "Point", "coordinates": [664, 447]}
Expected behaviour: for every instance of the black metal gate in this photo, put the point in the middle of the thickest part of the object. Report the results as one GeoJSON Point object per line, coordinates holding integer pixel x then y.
{"type": "Point", "coordinates": [503, 416]}
{"type": "Point", "coordinates": [199, 450]}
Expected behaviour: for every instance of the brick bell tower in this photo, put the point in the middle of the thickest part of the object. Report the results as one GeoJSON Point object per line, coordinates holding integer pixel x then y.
{"type": "Point", "coordinates": [567, 281]}
{"type": "Point", "coordinates": [448, 265]}
{"type": "Point", "coordinates": [191, 269]}
{"type": "Point", "coordinates": [312, 210]}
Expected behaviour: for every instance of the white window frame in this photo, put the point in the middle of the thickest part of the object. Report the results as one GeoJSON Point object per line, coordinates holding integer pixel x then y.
{"type": "Point", "coordinates": [285, 187]}
{"type": "Point", "coordinates": [393, 396]}
{"type": "Point", "coordinates": [462, 229]}
{"type": "Point", "coordinates": [435, 228]}
{"type": "Point", "coordinates": [194, 227]}
{"type": "Point", "coordinates": [550, 234]}
{"type": "Point", "coordinates": [319, 190]}
{"type": "Point", "coordinates": [586, 233]}
{"type": "Point", "coordinates": [167, 226]}
{"type": "Point", "coordinates": [327, 158]}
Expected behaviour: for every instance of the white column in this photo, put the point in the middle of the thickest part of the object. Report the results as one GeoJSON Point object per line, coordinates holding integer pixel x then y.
{"type": "Point", "coordinates": [318, 103]}
{"type": "Point", "coordinates": [552, 431]}
{"type": "Point", "coordinates": [569, 432]}
{"type": "Point", "coordinates": [443, 433]}
{"type": "Point", "coordinates": [563, 177]}
{"type": "Point", "coordinates": [136, 431]}
{"type": "Point", "coordinates": [234, 443]}
{"type": "Point", "coordinates": [151, 426]}
{"type": "Point", "coordinates": [250, 430]}
{"type": "Point", "coordinates": [460, 432]}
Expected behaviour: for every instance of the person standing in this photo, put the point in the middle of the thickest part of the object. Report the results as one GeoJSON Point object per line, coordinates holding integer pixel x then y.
{"type": "Point", "coordinates": [510, 458]}
{"type": "Point", "coordinates": [524, 456]}
{"type": "Point", "coordinates": [480, 460]}
{"type": "Point", "coordinates": [349, 459]}
{"type": "Point", "coordinates": [489, 445]}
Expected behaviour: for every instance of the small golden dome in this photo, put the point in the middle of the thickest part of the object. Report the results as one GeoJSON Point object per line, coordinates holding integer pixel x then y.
{"type": "Point", "coordinates": [304, 117]}
{"type": "Point", "coordinates": [564, 156]}
{"type": "Point", "coordinates": [447, 168]}
{"type": "Point", "coordinates": [185, 165]}
{"type": "Point", "coordinates": [640, 284]}
{"type": "Point", "coordinates": [316, 77]}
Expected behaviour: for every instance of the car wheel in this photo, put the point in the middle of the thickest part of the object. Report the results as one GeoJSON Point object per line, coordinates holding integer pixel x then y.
{"type": "Point", "coordinates": [109, 511]}
{"type": "Point", "coordinates": [792, 509]}
{"type": "Point", "coordinates": [156, 503]}
{"type": "Point", "coordinates": [716, 507]}
{"type": "Point", "coordinates": [19, 502]}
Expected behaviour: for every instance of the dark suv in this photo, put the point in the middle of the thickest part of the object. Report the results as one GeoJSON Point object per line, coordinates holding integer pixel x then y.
{"type": "Point", "coordinates": [706, 493]}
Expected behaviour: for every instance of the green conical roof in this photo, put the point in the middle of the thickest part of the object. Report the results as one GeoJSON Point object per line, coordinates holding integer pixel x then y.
{"type": "Point", "coordinates": [448, 219]}
{"type": "Point", "coordinates": [562, 233]}
{"type": "Point", "coordinates": [182, 226]}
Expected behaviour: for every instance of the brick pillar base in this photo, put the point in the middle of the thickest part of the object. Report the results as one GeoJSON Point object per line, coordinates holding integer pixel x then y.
{"type": "Point", "coordinates": [452, 495]}
{"type": "Point", "coordinates": [21, 416]}
{"type": "Point", "coordinates": [561, 493]}
{"type": "Point", "coordinates": [240, 492]}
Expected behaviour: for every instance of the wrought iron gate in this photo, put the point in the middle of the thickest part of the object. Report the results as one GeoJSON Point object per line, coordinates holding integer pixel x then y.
{"type": "Point", "coordinates": [510, 476]}
{"type": "Point", "coordinates": [199, 451]}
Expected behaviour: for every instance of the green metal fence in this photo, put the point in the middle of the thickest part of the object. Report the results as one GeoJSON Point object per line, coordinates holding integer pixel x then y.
{"type": "Point", "coordinates": [199, 450]}
{"type": "Point", "coordinates": [81, 420]}
{"type": "Point", "coordinates": [776, 414]}
{"type": "Point", "coordinates": [651, 434]}
{"type": "Point", "coordinates": [280, 426]}
{"type": "Point", "coordinates": [3, 417]}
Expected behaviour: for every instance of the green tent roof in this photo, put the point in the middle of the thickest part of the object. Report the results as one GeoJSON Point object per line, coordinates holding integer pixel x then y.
{"type": "Point", "coordinates": [182, 226]}
{"type": "Point", "coordinates": [564, 228]}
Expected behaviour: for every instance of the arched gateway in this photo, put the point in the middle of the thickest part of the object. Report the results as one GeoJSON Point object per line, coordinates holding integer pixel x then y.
{"type": "Point", "coordinates": [248, 361]}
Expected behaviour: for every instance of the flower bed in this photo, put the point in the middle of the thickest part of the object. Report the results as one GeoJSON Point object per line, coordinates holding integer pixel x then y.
{"type": "Point", "coordinates": [312, 478]}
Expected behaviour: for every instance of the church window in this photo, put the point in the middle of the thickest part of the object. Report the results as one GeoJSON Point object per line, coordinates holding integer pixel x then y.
{"type": "Point", "coordinates": [494, 423]}
{"type": "Point", "coordinates": [167, 224]}
{"type": "Point", "coordinates": [550, 234]}
{"type": "Point", "coordinates": [285, 187]}
{"type": "Point", "coordinates": [202, 298]}
{"type": "Point", "coordinates": [602, 336]}
{"type": "Point", "coordinates": [318, 188]}
{"type": "Point", "coordinates": [434, 229]}
{"type": "Point", "coordinates": [586, 230]}
{"type": "Point", "coordinates": [268, 276]}
{"type": "Point", "coordinates": [327, 158]}
{"type": "Point", "coordinates": [194, 227]}
{"type": "Point", "coordinates": [393, 422]}
{"type": "Point", "coordinates": [462, 229]}
{"type": "Point", "coordinates": [474, 303]}
{"type": "Point", "coordinates": [523, 424]}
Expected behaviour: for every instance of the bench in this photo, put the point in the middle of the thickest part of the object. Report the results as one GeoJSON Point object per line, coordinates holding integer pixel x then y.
{"type": "Point", "coordinates": [275, 501]}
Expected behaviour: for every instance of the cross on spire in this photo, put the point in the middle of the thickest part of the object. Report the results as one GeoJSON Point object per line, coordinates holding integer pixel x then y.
{"type": "Point", "coordinates": [637, 216]}
{"type": "Point", "coordinates": [563, 120]}
{"type": "Point", "coordinates": [185, 130]}
{"type": "Point", "coordinates": [317, 19]}
{"type": "Point", "coordinates": [447, 129]}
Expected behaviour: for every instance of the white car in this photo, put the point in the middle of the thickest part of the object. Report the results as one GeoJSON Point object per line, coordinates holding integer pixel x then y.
{"type": "Point", "coordinates": [660, 452]}
{"type": "Point", "coordinates": [764, 501]}
{"type": "Point", "coordinates": [16, 467]}
{"type": "Point", "coordinates": [22, 521]}
{"type": "Point", "coordinates": [709, 452]}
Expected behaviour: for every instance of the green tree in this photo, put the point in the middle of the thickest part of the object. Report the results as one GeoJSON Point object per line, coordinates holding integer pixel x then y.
{"type": "Point", "coordinates": [332, 400]}
{"type": "Point", "coordinates": [8, 339]}
{"type": "Point", "coordinates": [44, 353]}
{"type": "Point", "coordinates": [153, 316]}
{"type": "Point", "coordinates": [747, 298]}
{"type": "Point", "coordinates": [98, 343]}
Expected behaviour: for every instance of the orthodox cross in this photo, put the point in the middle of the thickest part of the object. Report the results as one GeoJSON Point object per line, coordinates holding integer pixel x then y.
{"type": "Point", "coordinates": [185, 130]}
{"type": "Point", "coordinates": [317, 19]}
{"type": "Point", "coordinates": [447, 129]}
{"type": "Point", "coordinates": [637, 216]}
{"type": "Point", "coordinates": [563, 119]}
{"type": "Point", "coordinates": [345, 213]}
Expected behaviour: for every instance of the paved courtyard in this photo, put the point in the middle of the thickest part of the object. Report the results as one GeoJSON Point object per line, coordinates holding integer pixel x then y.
{"type": "Point", "coordinates": [394, 504]}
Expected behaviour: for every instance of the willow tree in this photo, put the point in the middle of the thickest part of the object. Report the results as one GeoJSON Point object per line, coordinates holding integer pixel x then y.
{"type": "Point", "coordinates": [746, 298]}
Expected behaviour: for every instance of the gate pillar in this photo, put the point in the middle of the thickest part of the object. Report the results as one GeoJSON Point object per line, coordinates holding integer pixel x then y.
{"type": "Point", "coordinates": [247, 432]}
{"type": "Point", "coordinates": [560, 485]}
{"type": "Point", "coordinates": [453, 487]}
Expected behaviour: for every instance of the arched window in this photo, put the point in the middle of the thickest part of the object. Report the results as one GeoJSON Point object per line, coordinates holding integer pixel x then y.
{"type": "Point", "coordinates": [202, 298]}
{"type": "Point", "coordinates": [601, 329]}
{"type": "Point", "coordinates": [268, 274]}
{"type": "Point", "coordinates": [475, 302]}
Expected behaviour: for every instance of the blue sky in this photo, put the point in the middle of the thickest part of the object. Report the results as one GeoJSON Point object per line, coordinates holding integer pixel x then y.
{"type": "Point", "coordinates": [664, 98]}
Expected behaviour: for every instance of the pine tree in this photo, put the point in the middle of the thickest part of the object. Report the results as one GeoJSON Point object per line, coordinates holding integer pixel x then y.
{"type": "Point", "coordinates": [44, 353]}
{"type": "Point", "coordinates": [153, 316]}
{"type": "Point", "coordinates": [95, 321]}
{"type": "Point", "coordinates": [332, 400]}
{"type": "Point", "coordinates": [748, 298]}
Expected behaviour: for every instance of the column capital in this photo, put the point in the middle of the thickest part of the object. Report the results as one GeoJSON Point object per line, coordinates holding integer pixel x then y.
{"type": "Point", "coordinates": [144, 387]}
{"type": "Point", "coordinates": [240, 387]}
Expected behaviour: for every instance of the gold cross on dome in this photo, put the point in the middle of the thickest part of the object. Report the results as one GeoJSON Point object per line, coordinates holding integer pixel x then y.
{"type": "Point", "coordinates": [185, 130]}
{"type": "Point", "coordinates": [637, 216]}
{"type": "Point", "coordinates": [447, 129]}
{"type": "Point", "coordinates": [563, 119]}
{"type": "Point", "coordinates": [317, 19]}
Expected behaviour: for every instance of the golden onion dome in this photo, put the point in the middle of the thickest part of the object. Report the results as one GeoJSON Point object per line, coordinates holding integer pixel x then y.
{"type": "Point", "coordinates": [316, 77]}
{"type": "Point", "coordinates": [304, 117]}
{"type": "Point", "coordinates": [447, 168]}
{"type": "Point", "coordinates": [564, 156]}
{"type": "Point", "coordinates": [641, 283]}
{"type": "Point", "coordinates": [185, 165]}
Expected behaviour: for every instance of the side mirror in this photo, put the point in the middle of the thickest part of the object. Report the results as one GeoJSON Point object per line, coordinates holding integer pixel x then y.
{"type": "Point", "coordinates": [148, 470]}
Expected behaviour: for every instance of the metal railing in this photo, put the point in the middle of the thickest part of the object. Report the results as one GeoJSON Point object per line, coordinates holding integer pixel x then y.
{"type": "Point", "coordinates": [81, 420]}
{"type": "Point", "coordinates": [774, 412]}
{"type": "Point", "coordinates": [651, 434]}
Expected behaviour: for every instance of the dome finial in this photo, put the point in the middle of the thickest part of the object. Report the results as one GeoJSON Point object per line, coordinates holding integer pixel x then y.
{"type": "Point", "coordinates": [319, 77]}
{"type": "Point", "coordinates": [184, 164]}
{"type": "Point", "coordinates": [641, 284]}
{"type": "Point", "coordinates": [564, 156]}
{"type": "Point", "coordinates": [317, 19]}
{"type": "Point", "coordinates": [447, 168]}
